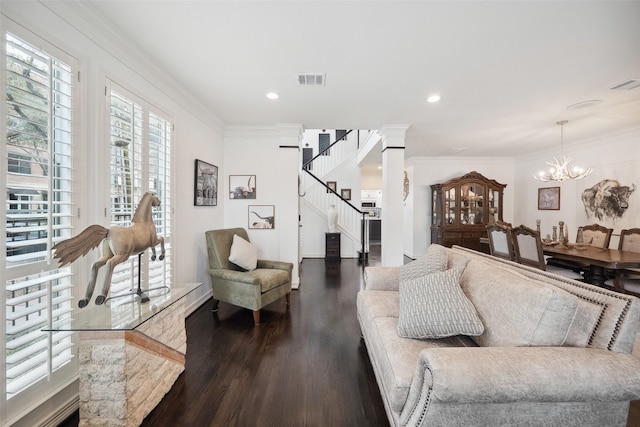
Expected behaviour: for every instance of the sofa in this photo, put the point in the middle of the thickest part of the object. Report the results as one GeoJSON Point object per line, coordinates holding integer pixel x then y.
{"type": "Point", "coordinates": [461, 338]}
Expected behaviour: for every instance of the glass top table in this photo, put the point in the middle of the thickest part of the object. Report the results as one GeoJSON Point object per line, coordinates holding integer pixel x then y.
{"type": "Point", "coordinates": [123, 313]}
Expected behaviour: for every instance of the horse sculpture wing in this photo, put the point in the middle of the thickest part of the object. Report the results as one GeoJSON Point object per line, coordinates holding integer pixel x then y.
{"type": "Point", "coordinates": [71, 249]}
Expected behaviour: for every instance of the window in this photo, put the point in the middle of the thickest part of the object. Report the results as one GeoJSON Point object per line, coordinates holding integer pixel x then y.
{"type": "Point", "coordinates": [324, 142]}
{"type": "Point", "coordinates": [38, 154]}
{"type": "Point", "coordinates": [19, 163]}
{"type": "Point", "coordinates": [307, 155]}
{"type": "Point", "coordinates": [140, 142]}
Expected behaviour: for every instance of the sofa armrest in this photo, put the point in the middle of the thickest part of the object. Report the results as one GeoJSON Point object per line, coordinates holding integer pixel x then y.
{"type": "Point", "coordinates": [275, 265]}
{"type": "Point", "coordinates": [233, 276]}
{"type": "Point", "coordinates": [382, 278]}
{"type": "Point", "coordinates": [520, 374]}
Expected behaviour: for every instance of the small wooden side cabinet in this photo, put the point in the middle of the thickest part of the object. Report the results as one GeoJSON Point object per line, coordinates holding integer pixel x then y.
{"type": "Point", "coordinates": [332, 247]}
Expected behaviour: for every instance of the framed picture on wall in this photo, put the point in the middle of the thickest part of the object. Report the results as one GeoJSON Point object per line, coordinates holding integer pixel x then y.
{"type": "Point", "coordinates": [262, 217]}
{"type": "Point", "coordinates": [549, 199]}
{"type": "Point", "coordinates": [333, 185]}
{"type": "Point", "coordinates": [345, 193]}
{"type": "Point", "coordinates": [206, 184]}
{"type": "Point", "coordinates": [242, 186]}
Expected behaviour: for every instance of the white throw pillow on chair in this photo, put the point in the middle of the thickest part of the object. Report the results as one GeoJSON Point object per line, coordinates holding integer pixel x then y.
{"type": "Point", "coordinates": [243, 253]}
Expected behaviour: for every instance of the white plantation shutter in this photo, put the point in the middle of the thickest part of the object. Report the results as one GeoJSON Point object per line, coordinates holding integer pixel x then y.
{"type": "Point", "coordinates": [160, 142]}
{"type": "Point", "coordinates": [38, 154]}
{"type": "Point", "coordinates": [140, 143]}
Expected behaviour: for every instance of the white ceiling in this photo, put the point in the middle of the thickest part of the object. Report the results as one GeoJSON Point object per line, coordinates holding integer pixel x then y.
{"type": "Point", "coordinates": [506, 70]}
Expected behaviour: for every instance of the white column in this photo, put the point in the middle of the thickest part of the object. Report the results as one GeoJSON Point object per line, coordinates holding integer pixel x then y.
{"type": "Point", "coordinates": [287, 216]}
{"type": "Point", "coordinates": [392, 184]}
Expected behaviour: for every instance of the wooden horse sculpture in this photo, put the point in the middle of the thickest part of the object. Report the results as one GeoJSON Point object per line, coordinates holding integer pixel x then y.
{"type": "Point", "coordinates": [117, 245]}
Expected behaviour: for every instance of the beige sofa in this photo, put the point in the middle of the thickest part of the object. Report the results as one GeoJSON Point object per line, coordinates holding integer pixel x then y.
{"type": "Point", "coordinates": [552, 351]}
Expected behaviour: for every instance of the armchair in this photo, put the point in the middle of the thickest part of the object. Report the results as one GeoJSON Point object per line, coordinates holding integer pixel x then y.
{"type": "Point", "coordinates": [230, 283]}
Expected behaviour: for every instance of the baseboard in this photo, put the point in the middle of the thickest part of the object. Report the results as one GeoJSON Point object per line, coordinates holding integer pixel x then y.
{"type": "Point", "coordinates": [65, 412]}
{"type": "Point", "coordinates": [198, 302]}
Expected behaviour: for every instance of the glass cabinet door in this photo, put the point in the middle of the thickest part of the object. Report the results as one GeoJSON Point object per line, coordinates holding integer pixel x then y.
{"type": "Point", "coordinates": [450, 205]}
{"type": "Point", "coordinates": [472, 203]}
{"type": "Point", "coordinates": [434, 207]}
{"type": "Point", "coordinates": [494, 204]}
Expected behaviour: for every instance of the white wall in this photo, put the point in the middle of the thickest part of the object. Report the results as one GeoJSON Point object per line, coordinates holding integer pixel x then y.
{"type": "Point", "coordinates": [614, 157]}
{"type": "Point", "coordinates": [270, 153]}
{"type": "Point", "coordinates": [371, 179]}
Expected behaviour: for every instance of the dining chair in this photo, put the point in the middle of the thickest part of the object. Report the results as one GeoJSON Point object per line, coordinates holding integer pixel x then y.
{"type": "Point", "coordinates": [594, 235]}
{"type": "Point", "coordinates": [597, 235]}
{"type": "Point", "coordinates": [528, 251]}
{"type": "Point", "coordinates": [628, 280]}
{"type": "Point", "coordinates": [500, 241]}
{"type": "Point", "coordinates": [528, 247]}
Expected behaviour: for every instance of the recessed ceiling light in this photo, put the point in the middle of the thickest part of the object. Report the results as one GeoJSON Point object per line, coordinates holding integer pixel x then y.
{"type": "Point", "coordinates": [585, 104]}
{"type": "Point", "coordinates": [628, 85]}
{"type": "Point", "coordinates": [273, 95]}
{"type": "Point", "coordinates": [433, 98]}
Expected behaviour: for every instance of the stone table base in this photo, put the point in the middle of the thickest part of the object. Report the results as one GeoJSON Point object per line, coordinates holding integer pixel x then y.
{"type": "Point", "coordinates": [125, 374]}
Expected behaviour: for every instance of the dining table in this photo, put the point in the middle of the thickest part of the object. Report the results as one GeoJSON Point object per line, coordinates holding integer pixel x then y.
{"type": "Point", "coordinates": [600, 260]}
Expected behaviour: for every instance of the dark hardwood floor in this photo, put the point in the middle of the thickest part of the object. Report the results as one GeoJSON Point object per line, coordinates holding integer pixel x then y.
{"type": "Point", "coordinates": [303, 366]}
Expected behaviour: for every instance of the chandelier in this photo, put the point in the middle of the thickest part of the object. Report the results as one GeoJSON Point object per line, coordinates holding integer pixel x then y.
{"type": "Point", "coordinates": [559, 170]}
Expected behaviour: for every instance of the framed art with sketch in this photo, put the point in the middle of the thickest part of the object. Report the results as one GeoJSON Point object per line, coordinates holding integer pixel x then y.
{"type": "Point", "coordinates": [549, 199]}
{"type": "Point", "coordinates": [242, 187]}
{"type": "Point", "coordinates": [262, 217]}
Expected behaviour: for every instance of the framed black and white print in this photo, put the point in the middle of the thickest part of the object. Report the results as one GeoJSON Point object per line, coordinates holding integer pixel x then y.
{"type": "Point", "coordinates": [333, 186]}
{"type": "Point", "coordinates": [242, 187]}
{"type": "Point", "coordinates": [262, 217]}
{"type": "Point", "coordinates": [345, 193]}
{"type": "Point", "coordinates": [206, 184]}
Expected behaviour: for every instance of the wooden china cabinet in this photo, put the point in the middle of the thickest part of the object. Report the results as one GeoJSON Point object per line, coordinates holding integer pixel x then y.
{"type": "Point", "coordinates": [462, 207]}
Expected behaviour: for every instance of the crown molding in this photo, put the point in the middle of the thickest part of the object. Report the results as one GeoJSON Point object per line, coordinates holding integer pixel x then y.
{"type": "Point", "coordinates": [85, 19]}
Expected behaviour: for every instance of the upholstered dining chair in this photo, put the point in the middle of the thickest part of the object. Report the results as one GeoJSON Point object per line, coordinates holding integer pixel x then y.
{"type": "Point", "coordinates": [597, 235]}
{"type": "Point", "coordinates": [500, 240]}
{"type": "Point", "coordinates": [594, 235]}
{"type": "Point", "coordinates": [628, 280]}
{"type": "Point", "coordinates": [254, 283]}
{"type": "Point", "coordinates": [527, 246]}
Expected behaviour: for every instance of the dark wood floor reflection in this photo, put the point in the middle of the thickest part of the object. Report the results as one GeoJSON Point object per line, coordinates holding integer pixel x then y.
{"type": "Point", "coordinates": [303, 366]}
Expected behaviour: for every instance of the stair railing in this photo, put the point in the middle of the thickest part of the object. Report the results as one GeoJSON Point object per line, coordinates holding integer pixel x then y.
{"type": "Point", "coordinates": [322, 164]}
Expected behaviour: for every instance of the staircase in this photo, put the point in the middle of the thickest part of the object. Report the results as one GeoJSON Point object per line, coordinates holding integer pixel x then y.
{"type": "Point", "coordinates": [317, 196]}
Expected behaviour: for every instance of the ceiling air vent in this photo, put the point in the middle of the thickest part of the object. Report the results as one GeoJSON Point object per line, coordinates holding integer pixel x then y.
{"type": "Point", "coordinates": [628, 85]}
{"type": "Point", "coordinates": [311, 79]}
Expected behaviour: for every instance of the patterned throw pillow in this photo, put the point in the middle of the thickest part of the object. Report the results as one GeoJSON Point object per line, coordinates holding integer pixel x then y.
{"type": "Point", "coordinates": [434, 260]}
{"type": "Point", "coordinates": [434, 306]}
